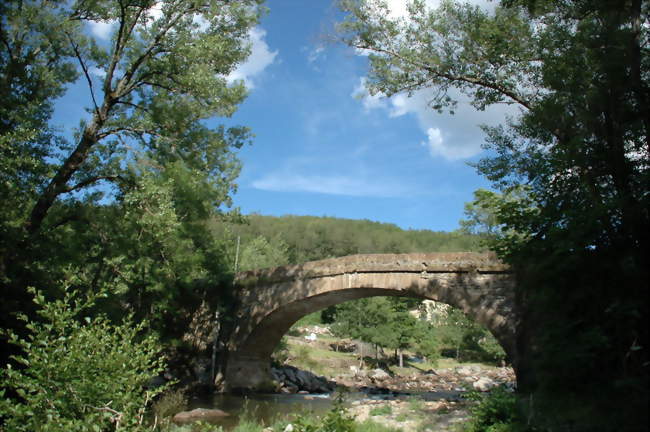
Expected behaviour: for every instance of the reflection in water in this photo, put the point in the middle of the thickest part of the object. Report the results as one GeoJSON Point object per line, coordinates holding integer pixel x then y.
{"type": "Point", "coordinates": [264, 408]}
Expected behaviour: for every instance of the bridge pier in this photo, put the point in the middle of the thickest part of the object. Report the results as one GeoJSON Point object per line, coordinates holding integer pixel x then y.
{"type": "Point", "coordinates": [248, 373]}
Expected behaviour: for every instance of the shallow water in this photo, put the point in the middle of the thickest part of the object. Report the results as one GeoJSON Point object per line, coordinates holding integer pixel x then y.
{"type": "Point", "coordinates": [267, 408]}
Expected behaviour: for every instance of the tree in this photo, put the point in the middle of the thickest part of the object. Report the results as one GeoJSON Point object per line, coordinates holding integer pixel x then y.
{"type": "Point", "coordinates": [580, 146]}
{"type": "Point", "coordinates": [123, 204]}
{"type": "Point", "coordinates": [468, 340]}
{"type": "Point", "coordinates": [260, 253]}
{"type": "Point", "coordinates": [163, 72]}
{"type": "Point", "coordinates": [378, 321]}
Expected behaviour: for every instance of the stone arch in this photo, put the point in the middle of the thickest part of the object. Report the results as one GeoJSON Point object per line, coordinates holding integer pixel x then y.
{"type": "Point", "coordinates": [272, 300]}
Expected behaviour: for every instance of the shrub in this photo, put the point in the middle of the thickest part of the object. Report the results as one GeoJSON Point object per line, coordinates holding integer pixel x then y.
{"type": "Point", "coordinates": [336, 420]}
{"type": "Point", "coordinates": [170, 404]}
{"type": "Point", "coordinates": [495, 412]}
{"type": "Point", "coordinates": [79, 373]}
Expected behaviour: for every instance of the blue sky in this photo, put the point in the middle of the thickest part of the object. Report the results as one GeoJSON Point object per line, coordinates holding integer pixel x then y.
{"type": "Point", "coordinates": [324, 147]}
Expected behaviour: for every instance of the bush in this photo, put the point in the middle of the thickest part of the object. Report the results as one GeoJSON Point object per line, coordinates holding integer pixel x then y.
{"type": "Point", "coordinates": [170, 404]}
{"type": "Point", "coordinates": [495, 412]}
{"type": "Point", "coordinates": [79, 373]}
{"type": "Point", "coordinates": [336, 420]}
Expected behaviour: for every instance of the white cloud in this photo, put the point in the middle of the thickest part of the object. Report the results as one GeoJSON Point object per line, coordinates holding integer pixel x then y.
{"type": "Point", "coordinates": [94, 70]}
{"type": "Point", "coordinates": [449, 136]}
{"type": "Point", "coordinates": [336, 184]}
{"type": "Point", "coordinates": [369, 101]}
{"type": "Point", "coordinates": [452, 137]}
{"type": "Point", "coordinates": [261, 57]}
{"type": "Point", "coordinates": [101, 29]}
{"type": "Point", "coordinates": [437, 146]}
{"type": "Point", "coordinates": [398, 8]}
{"type": "Point", "coordinates": [155, 12]}
{"type": "Point", "coordinates": [315, 54]}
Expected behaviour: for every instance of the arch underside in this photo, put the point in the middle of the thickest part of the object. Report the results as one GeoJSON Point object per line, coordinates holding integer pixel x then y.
{"type": "Point", "coordinates": [482, 296]}
{"type": "Point", "coordinates": [267, 334]}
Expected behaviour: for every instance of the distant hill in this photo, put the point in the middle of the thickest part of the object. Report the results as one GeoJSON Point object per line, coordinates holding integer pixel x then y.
{"type": "Point", "coordinates": [297, 239]}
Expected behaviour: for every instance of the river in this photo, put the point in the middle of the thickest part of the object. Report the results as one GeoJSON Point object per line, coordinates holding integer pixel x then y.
{"type": "Point", "coordinates": [267, 408]}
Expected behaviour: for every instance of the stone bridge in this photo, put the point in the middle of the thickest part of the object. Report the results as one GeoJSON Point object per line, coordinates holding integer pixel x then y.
{"type": "Point", "coordinates": [272, 300]}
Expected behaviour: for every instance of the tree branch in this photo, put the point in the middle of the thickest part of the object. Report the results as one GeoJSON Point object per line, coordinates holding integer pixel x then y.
{"type": "Point", "coordinates": [131, 104]}
{"type": "Point", "coordinates": [123, 86]}
{"type": "Point", "coordinates": [120, 43]}
{"type": "Point", "coordinates": [449, 77]}
{"type": "Point", "coordinates": [89, 181]}
{"type": "Point", "coordinates": [129, 129]}
{"type": "Point", "coordinates": [75, 47]}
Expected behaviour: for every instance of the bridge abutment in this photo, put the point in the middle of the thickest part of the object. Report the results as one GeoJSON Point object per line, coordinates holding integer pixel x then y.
{"type": "Point", "coordinates": [248, 373]}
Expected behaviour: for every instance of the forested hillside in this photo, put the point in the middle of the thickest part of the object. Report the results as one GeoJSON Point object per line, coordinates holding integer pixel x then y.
{"type": "Point", "coordinates": [267, 241]}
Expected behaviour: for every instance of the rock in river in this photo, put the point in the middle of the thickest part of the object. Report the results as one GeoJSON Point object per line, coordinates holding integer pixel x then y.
{"type": "Point", "coordinates": [199, 414]}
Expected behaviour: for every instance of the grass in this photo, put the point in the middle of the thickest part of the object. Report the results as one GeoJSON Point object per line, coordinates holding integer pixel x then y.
{"type": "Point", "coordinates": [383, 410]}
{"type": "Point", "coordinates": [370, 426]}
{"type": "Point", "coordinates": [402, 417]}
{"type": "Point", "coordinates": [416, 404]}
{"type": "Point", "coordinates": [317, 358]}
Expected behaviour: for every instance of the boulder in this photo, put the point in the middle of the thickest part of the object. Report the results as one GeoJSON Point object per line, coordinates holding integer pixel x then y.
{"type": "Point", "coordinates": [484, 384]}
{"type": "Point", "coordinates": [379, 374]}
{"type": "Point", "coordinates": [199, 414]}
{"type": "Point", "coordinates": [464, 370]}
{"type": "Point", "coordinates": [289, 373]}
{"type": "Point", "coordinates": [293, 380]}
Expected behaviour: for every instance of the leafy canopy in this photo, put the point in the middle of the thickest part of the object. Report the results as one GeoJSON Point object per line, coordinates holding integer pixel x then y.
{"type": "Point", "coordinates": [579, 147]}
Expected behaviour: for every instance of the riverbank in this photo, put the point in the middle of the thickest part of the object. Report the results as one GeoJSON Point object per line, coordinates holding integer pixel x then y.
{"type": "Point", "coordinates": [417, 397]}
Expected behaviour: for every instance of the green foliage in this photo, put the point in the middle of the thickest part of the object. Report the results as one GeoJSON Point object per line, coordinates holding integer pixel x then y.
{"type": "Point", "coordinates": [415, 404]}
{"type": "Point", "coordinates": [170, 403]}
{"type": "Point", "coordinates": [427, 342]}
{"type": "Point", "coordinates": [248, 425]}
{"type": "Point", "coordinates": [468, 340]}
{"type": "Point", "coordinates": [79, 373]}
{"type": "Point", "coordinates": [337, 419]}
{"type": "Point", "coordinates": [486, 216]}
{"type": "Point", "coordinates": [302, 358]}
{"type": "Point", "coordinates": [262, 253]}
{"type": "Point", "coordinates": [121, 206]}
{"type": "Point", "coordinates": [309, 320]}
{"type": "Point", "coordinates": [495, 412]}
{"type": "Point", "coordinates": [308, 238]}
{"type": "Point", "coordinates": [383, 322]}
{"type": "Point", "coordinates": [578, 238]}
{"type": "Point", "coordinates": [370, 426]}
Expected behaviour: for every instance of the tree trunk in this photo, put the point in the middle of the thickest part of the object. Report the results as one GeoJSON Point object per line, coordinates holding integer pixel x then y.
{"type": "Point", "coordinates": [401, 359]}
{"type": "Point", "coordinates": [58, 184]}
{"type": "Point", "coordinates": [360, 355]}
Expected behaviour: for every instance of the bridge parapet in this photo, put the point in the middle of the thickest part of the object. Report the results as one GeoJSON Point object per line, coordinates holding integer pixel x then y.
{"type": "Point", "coordinates": [446, 262]}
